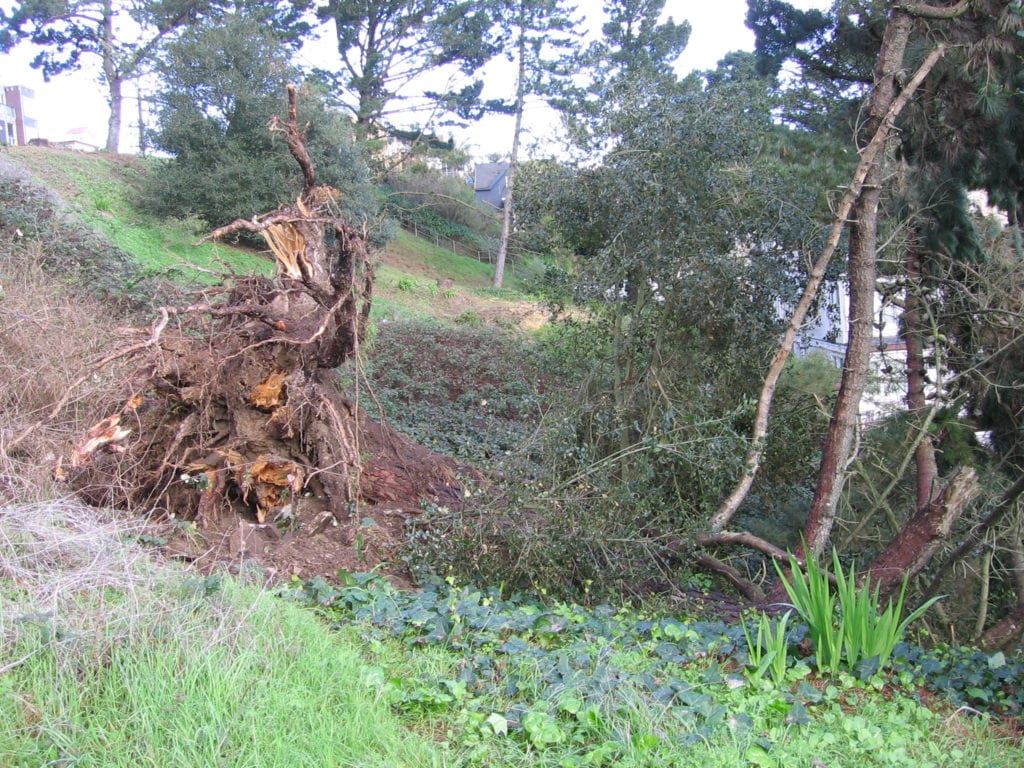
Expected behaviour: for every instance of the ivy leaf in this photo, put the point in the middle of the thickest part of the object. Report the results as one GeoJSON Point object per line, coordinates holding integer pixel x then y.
{"type": "Point", "coordinates": [758, 755]}
{"type": "Point", "coordinates": [798, 714]}
{"type": "Point", "coordinates": [497, 723]}
{"type": "Point", "coordinates": [543, 729]}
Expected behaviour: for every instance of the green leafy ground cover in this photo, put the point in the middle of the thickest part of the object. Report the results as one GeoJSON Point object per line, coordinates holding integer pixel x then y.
{"type": "Point", "coordinates": [77, 253]}
{"type": "Point", "coordinates": [469, 392]}
{"type": "Point", "coordinates": [518, 682]}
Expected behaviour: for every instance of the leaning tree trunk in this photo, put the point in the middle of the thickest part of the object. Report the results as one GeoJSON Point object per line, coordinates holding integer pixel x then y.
{"type": "Point", "coordinates": [936, 511]}
{"type": "Point", "coordinates": [236, 406]}
{"type": "Point", "coordinates": [861, 276]}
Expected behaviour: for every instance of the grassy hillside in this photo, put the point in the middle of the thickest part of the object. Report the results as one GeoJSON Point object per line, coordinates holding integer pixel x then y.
{"type": "Point", "coordinates": [99, 189]}
{"type": "Point", "coordinates": [412, 274]}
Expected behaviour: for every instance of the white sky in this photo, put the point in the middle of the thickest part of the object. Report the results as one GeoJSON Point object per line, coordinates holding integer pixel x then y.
{"type": "Point", "coordinates": [77, 100]}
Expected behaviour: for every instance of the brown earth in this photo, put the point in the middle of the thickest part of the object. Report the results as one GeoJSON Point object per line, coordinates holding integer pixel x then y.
{"type": "Point", "coordinates": [397, 478]}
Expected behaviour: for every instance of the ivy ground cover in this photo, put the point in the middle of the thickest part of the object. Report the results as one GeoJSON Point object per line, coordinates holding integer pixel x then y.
{"type": "Point", "coordinates": [517, 682]}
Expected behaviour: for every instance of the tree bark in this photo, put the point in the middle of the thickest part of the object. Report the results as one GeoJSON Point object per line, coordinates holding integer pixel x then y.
{"type": "Point", "coordinates": [914, 332]}
{"type": "Point", "coordinates": [114, 99]}
{"type": "Point", "coordinates": [929, 527]}
{"type": "Point", "coordinates": [1009, 629]}
{"type": "Point", "coordinates": [506, 214]}
{"type": "Point", "coordinates": [861, 276]}
{"type": "Point", "coordinates": [1006, 503]}
{"type": "Point", "coordinates": [922, 535]}
{"type": "Point", "coordinates": [113, 78]}
{"type": "Point", "coordinates": [1004, 633]}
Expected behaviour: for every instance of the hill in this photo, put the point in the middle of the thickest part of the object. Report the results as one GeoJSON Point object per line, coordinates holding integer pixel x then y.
{"type": "Point", "coordinates": [415, 278]}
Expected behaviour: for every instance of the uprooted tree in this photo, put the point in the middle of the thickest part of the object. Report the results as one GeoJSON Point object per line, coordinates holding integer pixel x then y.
{"type": "Point", "coordinates": [235, 405]}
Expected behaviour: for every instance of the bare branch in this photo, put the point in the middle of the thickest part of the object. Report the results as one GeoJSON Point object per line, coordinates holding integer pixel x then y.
{"type": "Point", "coordinates": [747, 588]}
{"type": "Point", "coordinates": [294, 139]}
{"type": "Point", "coordinates": [748, 539]}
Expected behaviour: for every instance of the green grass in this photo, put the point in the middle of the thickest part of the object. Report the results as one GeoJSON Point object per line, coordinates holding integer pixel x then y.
{"type": "Point", "coordinates": [100, 189]}
{"type": "Point", "coordinates": [157, 668]}
{"type": "Point", "coordinates": [463, 270]}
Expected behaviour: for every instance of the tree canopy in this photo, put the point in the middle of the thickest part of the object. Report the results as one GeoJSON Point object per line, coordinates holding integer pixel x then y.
{"type": "Point", "coordinates": [222, 81]}
{"type": "Point", "coordinates": [124, 35]}
{"type": "Point", "coordinates": [390, 48]}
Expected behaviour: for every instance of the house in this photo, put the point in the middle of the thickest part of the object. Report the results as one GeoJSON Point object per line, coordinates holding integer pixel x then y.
{"type": "Point", "coordinates": [78, 139]}
{"type": "Point", "coordinates": [490, 182]}
{"type": "Point", "coordinates": [826, 331]}
{"type": "Point", "coordinates": [16, 125]}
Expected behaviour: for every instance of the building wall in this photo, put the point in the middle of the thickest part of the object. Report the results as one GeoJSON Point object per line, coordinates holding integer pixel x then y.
{"type": "Point", "coordinates": [19, 99]}
{"type": "Point", "coordinates": [8, 131]}
{"type": "Point", "coordinates": [826, 333]}
{"type": "Point", "coordinates": [490, 181]}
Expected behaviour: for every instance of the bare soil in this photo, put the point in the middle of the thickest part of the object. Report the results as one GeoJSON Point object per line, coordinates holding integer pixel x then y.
{"type": "Point", "coordinates": [397, 478]}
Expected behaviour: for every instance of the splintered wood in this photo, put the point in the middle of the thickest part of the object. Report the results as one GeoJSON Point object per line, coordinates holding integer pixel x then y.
{"type": "Point", "coordinates": [268, 395]}
{"type": "Point", "coordinates": [288, 246]}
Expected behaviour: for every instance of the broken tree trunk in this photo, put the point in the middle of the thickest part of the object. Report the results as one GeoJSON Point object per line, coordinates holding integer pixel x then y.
{"type": "Point", "coordinates": [236, 406]}
{"type": "Point", "coordinates": [922, 535]}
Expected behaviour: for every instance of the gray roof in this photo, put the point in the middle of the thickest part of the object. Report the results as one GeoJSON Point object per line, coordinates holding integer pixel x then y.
{"type": "Point", "coordinates": [487, 175]}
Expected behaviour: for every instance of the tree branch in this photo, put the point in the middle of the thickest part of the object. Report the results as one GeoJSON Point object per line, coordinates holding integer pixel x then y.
{"type": "Point", "coordinates": [925, 11]}
{"type": "Point", "coordinates": [747, 588]}
{"type": "Point", "coordinates": [293, 138]}
{"type": "Point", "coordinates": [747, 539]}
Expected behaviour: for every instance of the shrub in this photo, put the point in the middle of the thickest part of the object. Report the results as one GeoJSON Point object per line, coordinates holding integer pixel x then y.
{"type": "Point", "coordinates": [450, 198]}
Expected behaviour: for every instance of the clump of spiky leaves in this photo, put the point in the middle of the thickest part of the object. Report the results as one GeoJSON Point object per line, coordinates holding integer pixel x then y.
{"type": "Point", "coordinates": [767, 648]}
{"type": "Point", "coordinates": [847, 623]}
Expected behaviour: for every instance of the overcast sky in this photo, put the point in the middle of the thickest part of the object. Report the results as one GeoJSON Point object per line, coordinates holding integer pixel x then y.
{"type": "Point", "coordinates": [77, 100]}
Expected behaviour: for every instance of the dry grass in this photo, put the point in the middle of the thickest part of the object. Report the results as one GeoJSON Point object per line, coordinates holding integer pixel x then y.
{"type": "Point", "coordinates": [58, 550]}
{"type": "Point", "coordinates": [50, 338]}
